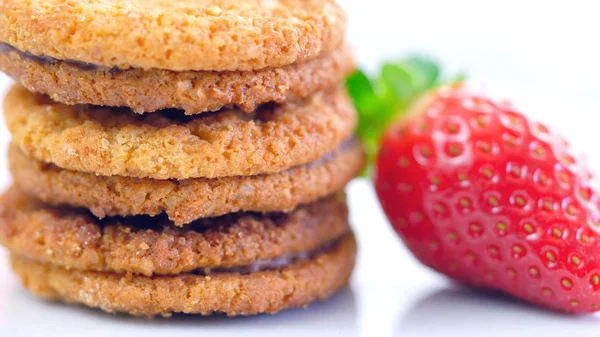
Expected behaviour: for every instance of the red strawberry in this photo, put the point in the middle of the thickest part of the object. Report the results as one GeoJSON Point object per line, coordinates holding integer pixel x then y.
{"type": "Point", "coordinates": [484, 195]}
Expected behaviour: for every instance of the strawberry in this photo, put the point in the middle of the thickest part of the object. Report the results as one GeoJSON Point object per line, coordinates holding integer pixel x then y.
{"type": "Point", "coordinates": [485, 196]}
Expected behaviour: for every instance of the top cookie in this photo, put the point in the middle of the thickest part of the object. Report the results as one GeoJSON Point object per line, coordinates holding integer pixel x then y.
{"type": "Point", "coordinates": [176, 35]}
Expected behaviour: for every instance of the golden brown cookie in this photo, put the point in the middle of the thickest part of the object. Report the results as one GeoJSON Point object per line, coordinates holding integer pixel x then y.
{"type": "Point", "coordinates": [112, 141]}
{"type": "Point", "coordinates": [175, 35]}
{"type": "Point", "coordinates": [144, 245]}
{"type": "Point", "coordinates": [295, 285]}
{"type": "Point", "coordinates": [155, 89]}
{"type": "Point", "coordinates": [191, 199]}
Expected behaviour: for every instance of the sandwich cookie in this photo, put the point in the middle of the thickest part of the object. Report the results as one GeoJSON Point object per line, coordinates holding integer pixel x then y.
{"type": "Point", "coordinates": [297, 284]}
{"type": "Point", "coordinates": [74, 239]}
{"type": "Point", "coordinates": [211, 35]}
{"type": "Point", "coordinates": [166, 145]}
{"type": "Point", "coordinates": [187, 200]}
{"type": "Point", "coordinates": [192, 91]}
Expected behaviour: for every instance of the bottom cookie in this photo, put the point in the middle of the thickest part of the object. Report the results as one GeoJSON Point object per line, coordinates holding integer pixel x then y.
{"type": "Point", "coordinates": [295, 285]}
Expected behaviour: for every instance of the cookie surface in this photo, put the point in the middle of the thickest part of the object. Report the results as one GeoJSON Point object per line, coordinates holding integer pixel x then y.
{"type": "Point", "coordinates": [187, 200]}
{"type": "Point", "coordinates": [295, 285]}
{"type": "Point", "coordinates": [175, 35]}
{"type": "Point", "coordinates": [192, 91]}
{"type": "Point", "coordinates": [144, 245]}
{"type": "Point", "coordinates": [168, 145]}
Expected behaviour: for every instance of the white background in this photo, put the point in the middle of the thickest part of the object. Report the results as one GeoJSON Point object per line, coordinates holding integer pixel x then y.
{"type": "Point", "coordinates": [543, 54]}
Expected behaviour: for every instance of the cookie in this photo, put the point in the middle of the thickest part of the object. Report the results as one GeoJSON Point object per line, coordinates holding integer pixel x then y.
{"type": "Point", "coordinates": [191, 199]}
{"type": "Point", "coordinates": [168, 145]}
{"type": "Point", "coordinates": [269, 291]}
{"type": "Point", "coordinates": [174, 35]}
{"type": "Point", "coordinates": [192, 91]}
{"type": "Point", "coordinates": [144, 245]}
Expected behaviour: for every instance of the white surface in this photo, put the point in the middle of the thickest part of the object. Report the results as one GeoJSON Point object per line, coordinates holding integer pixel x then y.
{"type": "Point", "coordinates": [543, 54]}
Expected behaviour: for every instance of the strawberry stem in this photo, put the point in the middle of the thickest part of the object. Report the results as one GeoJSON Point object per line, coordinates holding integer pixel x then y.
{"type": "Point", "coordinates": [380, 100]}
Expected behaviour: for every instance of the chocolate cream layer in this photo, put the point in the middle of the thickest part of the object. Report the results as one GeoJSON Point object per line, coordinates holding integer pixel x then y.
{"type": "Point", "coordinates": [6, 48]}
{"type": "Point", "coordinates": [279, 262]}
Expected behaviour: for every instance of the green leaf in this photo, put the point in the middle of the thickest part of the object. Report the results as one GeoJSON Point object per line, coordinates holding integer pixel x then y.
{"type": "Point", "coordinates": [361, 91]}
{"type": "Point", "coordinates": [364, 98]}
{"type": "Point", "coordinates": [399, 81]}
{"type": "Point", "coordinates": [425, 72]}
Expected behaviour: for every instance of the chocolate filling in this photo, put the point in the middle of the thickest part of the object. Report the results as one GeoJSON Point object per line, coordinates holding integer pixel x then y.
{"type": "Point", "coordinates": [348, 143]}
{"type": "Point", "coordinates": [279, 262]}
{"type": "Point", "coordinates": [6, 48]}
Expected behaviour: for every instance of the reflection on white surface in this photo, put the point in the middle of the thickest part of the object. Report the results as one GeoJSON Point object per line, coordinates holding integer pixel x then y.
{"type": "Point", "coordinates": [22, 315]}
{"type": "Point", "coordinates": [462, 312]}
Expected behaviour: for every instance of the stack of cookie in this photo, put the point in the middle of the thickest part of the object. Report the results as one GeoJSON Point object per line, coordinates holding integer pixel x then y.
{"type": "Point", "coordinates": [178, 156]}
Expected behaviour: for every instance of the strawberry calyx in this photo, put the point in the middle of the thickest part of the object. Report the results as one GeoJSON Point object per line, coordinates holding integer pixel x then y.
{"type": "Point", "coordinates": [382, 99]}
